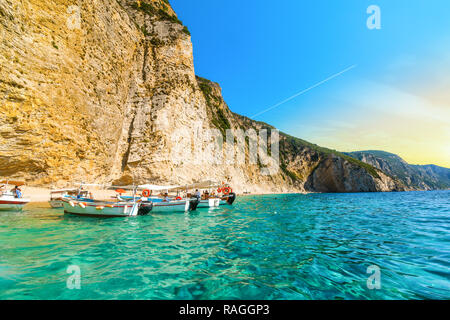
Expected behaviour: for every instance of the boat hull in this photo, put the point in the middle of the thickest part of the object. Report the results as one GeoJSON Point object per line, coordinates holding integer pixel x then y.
{"type": "Point", "coordinates": [212, 203]}
{"type": "Point", "coordinates": [13, 205]}
{"type": "Point", "coordinates": [216, 202]}
{"type": "Point", "coordinates": [174, 206]}
{"type": "Point", "coordinates": [93, 209]}
{"type": "Point", "coordinates": [56, 204]}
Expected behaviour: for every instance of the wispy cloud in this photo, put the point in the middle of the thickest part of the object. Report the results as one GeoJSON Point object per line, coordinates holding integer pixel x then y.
{"type": "Point", "coordinates": [305, 90]}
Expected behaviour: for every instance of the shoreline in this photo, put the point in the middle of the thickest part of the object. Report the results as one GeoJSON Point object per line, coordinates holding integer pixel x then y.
{"type": "Point", "coordinates": [42, 194]}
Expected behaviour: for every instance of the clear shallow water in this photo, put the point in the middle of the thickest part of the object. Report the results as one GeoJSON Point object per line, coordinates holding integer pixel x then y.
{"type": "Point", "coordinates": [265, 247]}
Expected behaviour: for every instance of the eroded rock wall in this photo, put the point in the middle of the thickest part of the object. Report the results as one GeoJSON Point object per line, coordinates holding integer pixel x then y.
{"type": "Point", "coordinates": [105, 91]}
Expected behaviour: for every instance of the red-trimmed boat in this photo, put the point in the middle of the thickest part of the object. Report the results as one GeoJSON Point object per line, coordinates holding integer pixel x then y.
{"type": "Point", "coordinates": [12, 200]}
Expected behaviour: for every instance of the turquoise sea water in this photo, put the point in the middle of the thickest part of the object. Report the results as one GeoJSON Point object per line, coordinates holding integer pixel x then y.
{"type": "Point", "coordinates": [316, 246]}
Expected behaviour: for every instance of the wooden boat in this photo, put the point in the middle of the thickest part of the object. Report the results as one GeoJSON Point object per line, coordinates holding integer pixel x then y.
{"type": "Point", "coordinates": [173, 205]}
{"type": "Point", "coordinates": [189, 200]}
{"type": "Point", "coordinates": [56, 196]}
{"type": "Point", "coordinates": [218, 201]}
{"type": "Point", "coordinates": [212, 194]}
{"type": "Point", "coordinates": [106, 208]}
{"type": "Point", "coordinates": [83, 206]}
{"type": "Point", "coordinates": [11, 200]}
{"type": "Point", "coordinates": [144, 202]}
{"type": "Point", "coordinates": [168, 204]}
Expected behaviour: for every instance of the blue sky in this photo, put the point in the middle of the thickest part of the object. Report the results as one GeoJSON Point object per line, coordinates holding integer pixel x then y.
{"type": "Point", "coordinates": [262, 52]}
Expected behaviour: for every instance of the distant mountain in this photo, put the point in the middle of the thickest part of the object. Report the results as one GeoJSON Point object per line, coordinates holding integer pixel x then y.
{"type": "Point", "coordinates": [415, 177]}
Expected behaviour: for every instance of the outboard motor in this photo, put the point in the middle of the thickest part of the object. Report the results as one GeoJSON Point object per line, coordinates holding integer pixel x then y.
{"type": "Point", "coordinates": [231, 198]}
{"type": "Point", "coordinates": [145, 210]}
{"type": "Point", "coordinates": [193, 204]}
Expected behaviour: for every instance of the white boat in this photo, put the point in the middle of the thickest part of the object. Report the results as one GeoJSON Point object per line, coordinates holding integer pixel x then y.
{"type": "Point", "coordinates": [212, 198]}
{"type": "Point", "coordinates": [106, 209]}
{"type": "Point", "coordinates": [184, 205]}
{"type": "Point", "coordinates": [56, 196]}
{"type": "Point", "coordinates": [217, 202]}
{"type": "Point", "coordinates": [11, 200]}
{"type": "Point", "coordinates": [144, 202]}
{"type": "Point", "coordinates": [187, 202]}
{"type": "Point", "coordinates": [166, 204]}
{"type": "Point", "coordinates": [171, 204]}
{"type": "Point", "coordinates": [77, 205]}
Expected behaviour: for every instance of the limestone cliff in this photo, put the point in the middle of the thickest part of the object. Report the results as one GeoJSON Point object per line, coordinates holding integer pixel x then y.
{"type": "Point", "coordinates": [334, 174]}
{"type": "Point", "coordinates": [414, 177]}
{"type": "Point", "coordinates": [105, 91]}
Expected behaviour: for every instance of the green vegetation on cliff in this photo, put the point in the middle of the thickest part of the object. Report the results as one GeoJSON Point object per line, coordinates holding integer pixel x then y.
{"type": "Point", "coordinates": [151, 10]}
{"type": "Point", "coordinates": [214, 102]}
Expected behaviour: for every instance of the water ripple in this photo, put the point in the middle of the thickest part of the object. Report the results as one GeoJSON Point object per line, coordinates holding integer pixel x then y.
{"type": "Point", "coordinates": [314, 246]}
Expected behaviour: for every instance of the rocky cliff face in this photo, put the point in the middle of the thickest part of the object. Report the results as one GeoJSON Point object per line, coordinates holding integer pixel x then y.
{"type": "Point", "coordinates": [335, 174]}
{"type": "Point", "coordinates": [105, 91]}
{"type": "Point", "coordinates": [414, 177]}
